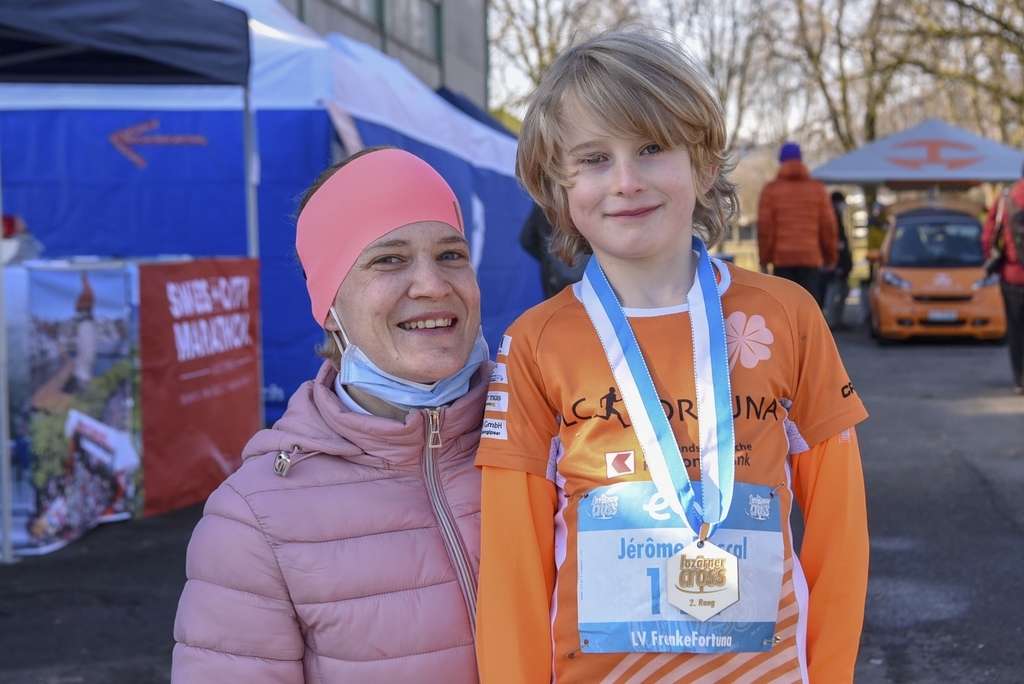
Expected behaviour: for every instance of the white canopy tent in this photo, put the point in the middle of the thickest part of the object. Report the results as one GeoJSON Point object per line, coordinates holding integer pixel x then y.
{"type": "Point", "coordinates": [291, 64]}
{"type": "Point", "coordinates": [373, 87]}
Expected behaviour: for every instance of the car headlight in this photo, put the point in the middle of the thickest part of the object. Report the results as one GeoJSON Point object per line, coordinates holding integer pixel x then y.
{"type": "Point", "coordinates": [890, 278]}
{"type": "Point", "coordinates": [987, 281]}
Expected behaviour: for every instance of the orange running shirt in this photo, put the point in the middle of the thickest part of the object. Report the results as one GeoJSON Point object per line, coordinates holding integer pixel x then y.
{"type": "Point", "coordinates": [556, 416]}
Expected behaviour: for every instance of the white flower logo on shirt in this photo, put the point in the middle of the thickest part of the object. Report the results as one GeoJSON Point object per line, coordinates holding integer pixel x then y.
{"type": "Point", "coordinates": [748, 339]}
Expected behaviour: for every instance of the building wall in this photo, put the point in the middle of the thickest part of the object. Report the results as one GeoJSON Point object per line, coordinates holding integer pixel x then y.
{"type": "Point", "coordinates": [455, 57]}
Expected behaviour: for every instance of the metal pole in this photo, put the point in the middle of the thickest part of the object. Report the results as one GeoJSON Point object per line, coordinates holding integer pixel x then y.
{"type": "Point", "coordinates": [382, 23]}
{"type": "Point", "coordinates": [487, 56]}
{"type": "Point", "coordinates": [6, 553]}
{"type": "Point", "coordinates": [252, 173]}
{"type": "Point", "coordinates": [252, 179]}
{"type": "Point", "coordinates": [439, 41]}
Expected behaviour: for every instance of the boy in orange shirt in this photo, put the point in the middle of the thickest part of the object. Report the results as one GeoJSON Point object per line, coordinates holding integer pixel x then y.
{"type": "Point", "coordinates": [649, 429]}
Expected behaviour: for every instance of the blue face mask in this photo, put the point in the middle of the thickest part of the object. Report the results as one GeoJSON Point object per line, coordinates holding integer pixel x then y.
{"type": "Point", "coordinates": [358, 371]}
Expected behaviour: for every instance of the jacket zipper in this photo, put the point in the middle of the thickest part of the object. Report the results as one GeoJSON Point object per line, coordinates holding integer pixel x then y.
{"type": "Point", "coordinates": [457, 553]}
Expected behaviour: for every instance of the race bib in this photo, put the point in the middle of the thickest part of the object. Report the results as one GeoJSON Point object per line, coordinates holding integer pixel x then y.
{"type": "Point", "coordinates": [626, 536]}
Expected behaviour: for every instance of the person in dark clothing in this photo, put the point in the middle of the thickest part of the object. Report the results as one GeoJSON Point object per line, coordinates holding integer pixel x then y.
{"type": "Point", "coordinates": [535, 238]}
{"type": "Point", "coordinates": [837, 285]}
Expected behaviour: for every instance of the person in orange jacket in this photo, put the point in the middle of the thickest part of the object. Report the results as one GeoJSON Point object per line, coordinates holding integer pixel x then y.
{"type": "Point", "coordinates": [649, 430]}
{"type": "Point", "coordinates": [796, 225]}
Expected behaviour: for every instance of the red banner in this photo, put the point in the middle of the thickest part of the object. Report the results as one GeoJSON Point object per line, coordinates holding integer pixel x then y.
{"type": "Point", "coordinates": [200, 385]}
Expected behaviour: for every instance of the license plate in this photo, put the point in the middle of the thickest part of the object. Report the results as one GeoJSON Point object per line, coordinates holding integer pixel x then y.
{"type": "Point", "coordinates": [942, 316]}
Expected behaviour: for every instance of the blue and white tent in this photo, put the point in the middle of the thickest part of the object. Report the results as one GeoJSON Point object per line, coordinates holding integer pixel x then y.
{"type": "Point", "coordinates": [117, 41]}
{"type": "Point", "coordinates": [161, 169]}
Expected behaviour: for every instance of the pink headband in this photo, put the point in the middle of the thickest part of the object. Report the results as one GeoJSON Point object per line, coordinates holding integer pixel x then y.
{"type": "Point", "coordinates": [363, 201]}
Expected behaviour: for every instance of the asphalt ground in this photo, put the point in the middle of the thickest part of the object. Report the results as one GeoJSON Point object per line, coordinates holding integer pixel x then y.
{"type": "Point", "coordinates": [944, 465]}
{"type": "Point", "coordinates": [943, 455]}
{"type": "Point", "coordinates": [100, 610]}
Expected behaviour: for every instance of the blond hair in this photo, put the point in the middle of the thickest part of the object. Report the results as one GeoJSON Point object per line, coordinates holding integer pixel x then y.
{"type": "Point", "coordinates": [635, 83]}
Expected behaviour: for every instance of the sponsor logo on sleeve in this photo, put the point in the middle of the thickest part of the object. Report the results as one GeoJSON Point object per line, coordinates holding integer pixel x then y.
{"type": "Point", "coordinates": [847, 390]}
{"type": "Point", "coordinates": [505, 346]}
{"type": "Point", "coordinates": [620, 463]}
{"type": "Point", "coordinates": [494, 429]}
{"type": "Point", "coordinates": [497, 401]}
{"type": "Point", "coordinates": [499, 374]}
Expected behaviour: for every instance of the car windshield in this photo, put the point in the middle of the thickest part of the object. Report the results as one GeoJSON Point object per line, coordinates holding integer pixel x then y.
{"type": "Point", "coordinates": [937, 244]}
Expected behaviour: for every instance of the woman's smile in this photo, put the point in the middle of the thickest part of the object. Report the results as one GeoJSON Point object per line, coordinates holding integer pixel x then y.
{"type": "Point", "coordinates": [411, 302]}
{"type": "Point", "coordinates": [427, 324]}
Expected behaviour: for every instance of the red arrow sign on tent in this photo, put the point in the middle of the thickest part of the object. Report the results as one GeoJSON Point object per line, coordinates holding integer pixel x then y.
{"type": "Point", "coordinates": [123, 140]}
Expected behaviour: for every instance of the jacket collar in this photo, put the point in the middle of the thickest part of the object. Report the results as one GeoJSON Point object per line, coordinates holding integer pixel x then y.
{"type": "Point", "coordinates": [317, 422]}
{"type": "Point", "coordinates": [793, 169]}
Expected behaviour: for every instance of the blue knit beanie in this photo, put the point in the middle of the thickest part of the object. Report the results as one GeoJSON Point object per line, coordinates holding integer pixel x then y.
{"type": "Point", "coordinates": [789, 151]}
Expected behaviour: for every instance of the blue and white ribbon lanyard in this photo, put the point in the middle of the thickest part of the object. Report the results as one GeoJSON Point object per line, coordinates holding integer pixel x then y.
{"type": "Point", "coordinates": [714, 403]}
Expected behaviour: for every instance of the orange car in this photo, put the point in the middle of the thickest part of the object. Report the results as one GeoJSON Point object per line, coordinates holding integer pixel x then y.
{"type": "Point", "coordinates": [929, 279]}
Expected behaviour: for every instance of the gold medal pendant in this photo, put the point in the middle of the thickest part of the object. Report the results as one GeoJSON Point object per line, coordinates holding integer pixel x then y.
{"type": "Point", "coordinates": [703, 580]}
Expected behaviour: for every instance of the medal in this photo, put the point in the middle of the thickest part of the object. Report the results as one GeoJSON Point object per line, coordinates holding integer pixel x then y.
{"type": "Point", "coordinates": [703, 580]}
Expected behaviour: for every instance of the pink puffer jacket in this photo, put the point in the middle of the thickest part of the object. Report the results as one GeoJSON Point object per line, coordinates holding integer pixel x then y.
{"type": "Point", "coordinates": [359, 565]}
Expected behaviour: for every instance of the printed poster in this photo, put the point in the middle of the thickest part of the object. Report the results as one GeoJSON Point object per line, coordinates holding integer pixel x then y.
{"type": "Point", "coordinates": [74, 419]}
{"type": "Point", "coordinates": [200, 384]}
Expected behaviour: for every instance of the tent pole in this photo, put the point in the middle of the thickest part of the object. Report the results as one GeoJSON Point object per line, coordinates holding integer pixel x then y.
{"type": "Point", "coordinates": [6, 553]}
{"type": "Point", "coordinates": [252, 173]}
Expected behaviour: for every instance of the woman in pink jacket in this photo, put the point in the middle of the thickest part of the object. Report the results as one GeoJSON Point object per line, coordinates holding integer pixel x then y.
{"type": "Point", "coordinates": [346, 547]}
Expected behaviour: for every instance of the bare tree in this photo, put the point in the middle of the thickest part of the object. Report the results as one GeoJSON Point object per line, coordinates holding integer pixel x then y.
{"type": "Point", "coordinates": [734, 40]}
{"type": "Point", "coordinates": [822, 71]}
{"type": "Point", "coordinates": [834, 74]}
{"type": "Point", "coordinates": [853, 54]}
{"type": "Point", "coordinates": [977, 53]}
{"type": "Point", "coordinates": [527, 35]}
